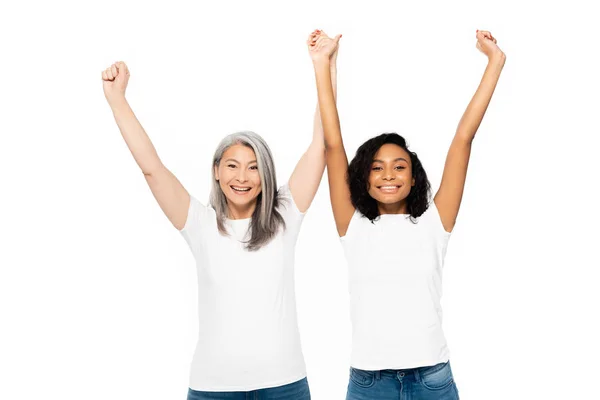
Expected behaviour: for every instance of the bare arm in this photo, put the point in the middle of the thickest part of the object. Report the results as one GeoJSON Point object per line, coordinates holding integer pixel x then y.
{"type": "Point", "coordinates": [449, 195]}
{"type": "Point", "coordinates": [170, 194]}
{"type": "Point", "coordinates": [304, 181]}
{"type": "Point", "coordinates": [335, 155]}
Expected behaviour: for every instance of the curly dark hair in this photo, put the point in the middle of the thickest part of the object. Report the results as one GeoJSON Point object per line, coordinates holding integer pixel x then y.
{"type": "Point", "coordinates": [359, 171]}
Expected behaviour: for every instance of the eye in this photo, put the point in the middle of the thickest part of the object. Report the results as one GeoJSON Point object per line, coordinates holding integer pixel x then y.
{"type": "Point", "coordinates": [231, 165]}
{"type": "Point", "coordinates": [400, 167]}
{"type": "Point", "coordinates": [377, 168]}
{"type": "Point", "coordinates": [254, 167]}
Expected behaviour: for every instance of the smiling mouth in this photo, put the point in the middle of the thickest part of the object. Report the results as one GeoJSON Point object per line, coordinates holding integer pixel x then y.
{"type": "Point", "coordinates": [389, 188]}
{"type": "Point", "coordinates": [240, 189]}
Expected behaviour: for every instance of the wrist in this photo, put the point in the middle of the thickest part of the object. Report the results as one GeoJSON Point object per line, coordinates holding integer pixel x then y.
{"type": "Point", "coordinates": [322, 61]}
{"type": "Point", "coordinates": [497, 58]}
{"type": "Point", "coordinates": [333, 58]}
{"type": "Point", "coordinates": [116, 101]}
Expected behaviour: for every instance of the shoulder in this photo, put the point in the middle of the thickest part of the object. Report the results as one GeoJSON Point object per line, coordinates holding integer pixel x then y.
{"type": "Point", "coordinates": [432, 216]}
{"type": "Point", "coordinates": [286, 204]}
{"type": "Point", "coordinates": [357, 223]}
{"type": "Point", "coordinates": [199, 216]}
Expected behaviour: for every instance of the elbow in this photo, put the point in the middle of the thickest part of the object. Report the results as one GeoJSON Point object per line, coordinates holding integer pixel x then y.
{"type": "Point", "coordinates": [464, 138]}
{"type": "Point", "coordinates": [316, 150]}
{"type": "Point", "coordinates": [333, 145]}
{"type": "Point", "coordinates": [151, 170]}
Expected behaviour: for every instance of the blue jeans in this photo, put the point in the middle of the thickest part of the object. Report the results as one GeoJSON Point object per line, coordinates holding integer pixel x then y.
{"type": "Point", "coordinates": [293, 391]}
{"type": "Point", "coordinates": [425, 383]}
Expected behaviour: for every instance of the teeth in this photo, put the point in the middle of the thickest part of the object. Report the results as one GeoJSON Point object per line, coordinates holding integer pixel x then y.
{"type": "Point", "coordinates": [240, 189]}
{"type": "Point", "coordinates": [389, 187]}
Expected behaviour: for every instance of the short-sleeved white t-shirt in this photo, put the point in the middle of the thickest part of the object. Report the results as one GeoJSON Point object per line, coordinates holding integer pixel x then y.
{"type": "Point", "coordinates": [395, 284]}
{"type": "Point", "coordinates": [248, 330]}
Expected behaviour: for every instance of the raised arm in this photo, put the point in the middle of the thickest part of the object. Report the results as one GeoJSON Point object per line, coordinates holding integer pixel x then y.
{"type": "Point", "coordinates": [335, 154]}
{"type": "Point", "coordinates": [449, 195]}
{"type": "Point", "coordinates": [304, 181]}
{"type": "Point", "coordinates": [172, 197]}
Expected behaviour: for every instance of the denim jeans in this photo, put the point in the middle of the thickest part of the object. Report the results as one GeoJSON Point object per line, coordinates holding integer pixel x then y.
{"type": "Point", "coordinates": [425, 383]}
{"type": "Point", "coordinates": [294, 391]}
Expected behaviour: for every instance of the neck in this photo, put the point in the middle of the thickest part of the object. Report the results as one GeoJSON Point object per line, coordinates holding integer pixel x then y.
{"type": "Point", "coordinates": [240, 211]}
{"type": "Point", "coordinates": [394, 208]}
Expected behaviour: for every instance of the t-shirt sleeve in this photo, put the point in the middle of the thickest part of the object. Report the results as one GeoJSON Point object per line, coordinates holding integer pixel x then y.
{"type": "Point", "coordinates": [354, 220]}
{"type": "Point", "coordinates": [198, 218]}
{"type": "Point", "coordinates": [289, 210]}
{"type": "Point", "coordinates": [436, 220]}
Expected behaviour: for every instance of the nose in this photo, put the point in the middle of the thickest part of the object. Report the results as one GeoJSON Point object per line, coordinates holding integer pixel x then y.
{"type": "Point", "coordinates": [388, 175]}
{"type": "Point", "coordinates": [241, 177]}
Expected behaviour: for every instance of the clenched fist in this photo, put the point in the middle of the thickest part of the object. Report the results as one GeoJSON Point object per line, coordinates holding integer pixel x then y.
{"type": "Point", "coordinates": [114, 81]}
{"type": "Point", "coordinates": [487, 44]}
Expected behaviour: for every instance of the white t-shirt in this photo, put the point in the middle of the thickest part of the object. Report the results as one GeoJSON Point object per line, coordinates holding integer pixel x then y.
{"type": "Point", "coordinates": [395, 285]}
{"type": "Point", "coordinates": [248, 330]}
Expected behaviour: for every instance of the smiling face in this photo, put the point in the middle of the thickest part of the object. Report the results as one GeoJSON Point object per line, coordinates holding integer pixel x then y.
{"type": "Point", "coordinates": [390, 178]}
{"type": "Point", "coordinates": [239, 179]}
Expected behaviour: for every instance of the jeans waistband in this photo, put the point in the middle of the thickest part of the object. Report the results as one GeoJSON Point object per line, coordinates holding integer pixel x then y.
{"type": "Point", "coordinates": [402, 374]}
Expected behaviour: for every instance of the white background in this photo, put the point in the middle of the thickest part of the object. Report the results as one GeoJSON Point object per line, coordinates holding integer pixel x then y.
{"type": "Point", "coordinates": [98, 290]}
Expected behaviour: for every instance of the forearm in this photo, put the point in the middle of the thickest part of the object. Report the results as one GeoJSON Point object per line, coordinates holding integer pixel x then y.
{"type": "Point", "coordinates": [137, 140]}
{"type": "Point", "coordinates": [318, 135]}
{"type": "Point", "coordinates": [471, 119]}
{"type": "Point", "coordinates": [327, 107]}
{"type": "Point", "coordinates": [333, 74]}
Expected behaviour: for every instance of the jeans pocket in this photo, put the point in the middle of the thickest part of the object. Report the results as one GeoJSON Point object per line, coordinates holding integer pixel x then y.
{"type": "Point", "coordinates": [437, 377]}
{"type": "Point", "coordinates": [362, 378]}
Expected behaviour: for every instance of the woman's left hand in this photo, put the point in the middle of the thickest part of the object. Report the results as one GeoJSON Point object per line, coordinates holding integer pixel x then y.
{"type": "Point", "coordinates": [487, 44]}
{"type": "Point", "coordinates": [321, 46]}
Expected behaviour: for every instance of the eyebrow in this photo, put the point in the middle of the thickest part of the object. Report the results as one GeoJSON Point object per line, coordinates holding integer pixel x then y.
{"type": "Point", "coordinates": [237, 162]}
{"type": "Point", "coordinates": [397, 159]}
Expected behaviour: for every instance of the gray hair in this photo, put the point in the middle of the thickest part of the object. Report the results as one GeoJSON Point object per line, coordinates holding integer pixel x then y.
{"type": "Point", "coordinates": [266, 220]}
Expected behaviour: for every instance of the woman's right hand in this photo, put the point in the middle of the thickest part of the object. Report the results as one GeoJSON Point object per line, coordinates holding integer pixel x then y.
{"type": "Point", "coordinates": [322, 47]}
{"type": "Point", "coordinates": [114, 81]}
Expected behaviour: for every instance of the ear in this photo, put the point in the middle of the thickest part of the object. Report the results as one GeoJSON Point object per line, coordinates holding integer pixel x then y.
{"type": "Point", "coordinates": [216, 167]}
{"type": "Point", "coordinates": [413, 182]}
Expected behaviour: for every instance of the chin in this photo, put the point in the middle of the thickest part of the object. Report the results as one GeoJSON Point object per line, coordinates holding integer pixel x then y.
{"type": "Point", "coordinates": [390, 201]}
{"type": "Point", "coordinates": [241, 202]}
{"type": "Point", "coordinates": [387, 199]}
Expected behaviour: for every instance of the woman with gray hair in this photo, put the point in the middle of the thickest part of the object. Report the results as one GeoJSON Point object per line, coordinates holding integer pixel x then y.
{"type": "Point", "coordinates": [243, 244]}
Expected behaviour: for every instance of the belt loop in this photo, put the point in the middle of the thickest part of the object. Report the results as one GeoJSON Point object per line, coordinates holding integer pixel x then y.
{"type": "Point", "coordinates": [378, 375]}
{"type": "Point", "coordinates": [417, 375]}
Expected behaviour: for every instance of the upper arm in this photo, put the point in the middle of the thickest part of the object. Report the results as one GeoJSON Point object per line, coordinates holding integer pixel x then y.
{"type": "Point", "coordinates": [306, 178]}
{"type": "Point", "coordinates": [304, 181]}
{"type": "Point", "coordinates": [339, 191]}
{"type": "Point", "coordinates": [449, 195]}
{"type": "Point", "coordinates": [170, 194]}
